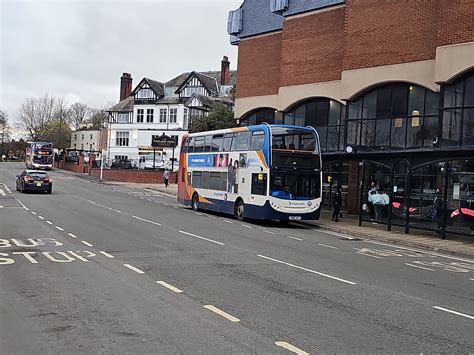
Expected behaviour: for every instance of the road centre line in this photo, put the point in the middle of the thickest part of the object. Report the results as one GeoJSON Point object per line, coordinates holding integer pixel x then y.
{"type": "Point", "coordinates": [72, 235]}
{"type": "Point", "coordinates": [49, 222]}
{"type": "Point", "coordinates": [62, 230]}
{"type": "Point", "coordinates": [246, 226]}
{"type": "Point", "coordinates": [41, 217]}
{"type": "Point", "coordinates": [33, 212]}
{"type": "Point", "coordinates": [453, 312]}
{"type": "Point", "coordinates": [170, 287]}
{"type": "Point", "coordinates": [291, 348]}
{"type": "Point", "coordinates": [110, 256]}
{"type": "Point", "coordinates": [86, 243]}
{"type": "Point", "coordinates": [309, 270]}
{"type": "Point", "coordinates": [199, 237]}
{"type": "Point", "coordinates": [289, 236]}
{"type": "Point", "coordinates": [327, 246]}
{"type": "Point", "coordinates": [222, 313]}
{"type": "Point", "coordinates": [419, 267]}
{"type": "Point", "coordinates": [226, 221]}
{"type": "Point", "coordinates": [269, 232]}
{"type": "Point", "coordinates": [133, 268]}
{"type": "Point", "coordinates": [146, 220]}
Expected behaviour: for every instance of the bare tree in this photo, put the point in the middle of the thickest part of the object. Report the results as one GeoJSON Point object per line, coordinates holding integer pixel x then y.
{"type": "Point", "coordinates": [99, 116]}
{"type": "Point", "coordinates": [78, 114]}
{"type": "Point", "coordinates": [37, 115]}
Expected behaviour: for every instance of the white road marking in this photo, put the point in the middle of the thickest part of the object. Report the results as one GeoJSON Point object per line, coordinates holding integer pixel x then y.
{"type": "Point", "coordinates": [112, 209]}
{"type": "Point", "coordinates": [269, 232]}
{"type": "Point", "coordinates": [453, 312]}
{"type": "Point", "coordinates": [1, 206]}
{"type": "Point", "coordinates": [41, 217]}
{"type": "Point", "coordinates": [327, 246]}
{"type": "Point", "coordinates": [199, 214]}
{"type": "Point", "coordinates": [86, 243]}
{"type": "Point", "coordinates": [199, 237]}
{"type": "Point", "coordinates": [165, 204]}
{"type": "Point", "coordinates": [72, 235]}
{"type": "Point", "coordinates": [110, 256]}
{"type": "Point", "coordinates": [289, 347]}
{"type": "Point", "coordinates": [472, 279]}
{"type": "Point", "coordinates": [334, 233]}
{"type": "Point", "coordinates": [49, 222]}
{"type": "Point", "coordinates": [168, 286]}
{"type": "Point", "coordinates": [2, 192]}
{"type": "Point", "coordinates": [246, 226]}
{"type": "Point", "coordinates": [419, 267]}
{"type": "Point", "coordinates": [226, 221]}
{"type": "Point", "coordinates": [421, 251]}
{"type": "Point", "coordinates": [365, 254]}
{"type": "Point", "coordinates": [62, 230]}
{"type": "Point", "coordinates": [222, 313]}
{"type": "Point", "coordinates": [32, 212]}
{"type": "Point", "coordinates": [94, 203]}
{"type": "Point", "coordinates": [77, 256]}
{"type": "Point", "coordinates": [146, 220]}
{"type": "Point", "coordinates": [26, 208]}
{"type": "Point", "coordinates": [133, 268]}
{"type": "Point", "coordinates": [289, 236]}
{"type": "Point", "coordinates": [213, 217]}
{"type": "Point", "coordinates": [8, 190]}
{"type": "Point", "coordinates": [309, 270]}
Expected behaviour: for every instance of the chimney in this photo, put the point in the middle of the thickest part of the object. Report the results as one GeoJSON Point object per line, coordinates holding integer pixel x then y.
{"type": "Point", "coordinates": [125, 86]}
{"type": "Point", "coordinates": [225, 71]}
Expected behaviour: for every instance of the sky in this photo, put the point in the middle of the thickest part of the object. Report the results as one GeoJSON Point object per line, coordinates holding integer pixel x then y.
{"type": "Point", "coordinates": [79, 49]}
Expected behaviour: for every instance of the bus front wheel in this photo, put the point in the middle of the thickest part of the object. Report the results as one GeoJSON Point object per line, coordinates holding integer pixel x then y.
{"type": "Point", "coordinates": [195, 202]}
{"type": "Point", "coordinates": [240, 210]}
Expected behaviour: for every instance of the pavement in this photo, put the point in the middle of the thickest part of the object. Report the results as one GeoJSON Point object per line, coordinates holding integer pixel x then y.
{"type": "Point", "coordinates": [115, 268]}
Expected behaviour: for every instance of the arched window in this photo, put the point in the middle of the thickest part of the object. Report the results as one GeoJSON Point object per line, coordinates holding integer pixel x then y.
{"type": "Point", "coordinates": [458, 112]}
{"type": "Point", "coordinates": [393, 116]}
{"type": "Point", "coordinates": [259, 116]}
{"type": "Point", "coordinates": [325, 115]}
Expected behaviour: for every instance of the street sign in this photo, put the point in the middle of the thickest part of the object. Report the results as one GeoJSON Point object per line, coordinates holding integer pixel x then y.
{"type": "Point", "coordinates": [163, 141]}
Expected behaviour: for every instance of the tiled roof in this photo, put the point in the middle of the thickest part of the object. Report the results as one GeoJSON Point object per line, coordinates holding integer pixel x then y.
{"type": "Point", "coordinates": [168, 100]}
{"type": "Point", "coordinates": [257, 17]}
{"type": "Point", "coordinates": [126, 105]}
{"type": "Point", "coordinates": [209, 101]}
{"type": "Point", "coordinates": [156, 86]}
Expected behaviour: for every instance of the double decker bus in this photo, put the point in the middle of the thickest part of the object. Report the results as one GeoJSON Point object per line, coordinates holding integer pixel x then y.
{"type": "Point", "coordinates": [39, 155]}
{"type": "Point", "coordinates": [258, 172]}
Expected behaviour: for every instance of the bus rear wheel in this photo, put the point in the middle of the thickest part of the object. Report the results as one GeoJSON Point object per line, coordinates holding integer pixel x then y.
{"type": "Point", "coordinates": [239, 210]}
{"type": "Point", "coordinates": [195, 202]}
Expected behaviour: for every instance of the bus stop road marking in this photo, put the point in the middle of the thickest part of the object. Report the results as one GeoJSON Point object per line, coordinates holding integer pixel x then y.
{"type": "Point", "coordinates": [309, 270]}
{"type": "Point", "coordinates": [86, 243]}
{"type": "Point", "coordinates": [2, 192]}
{"type": "Point", "coordinates": [49, 222]}
{"type": "Point", "coordinates": [110, 256]}
{"type": "Point", "coordinates": [59, 228]}
{"type": "Point", "coordinates": [72, 235]}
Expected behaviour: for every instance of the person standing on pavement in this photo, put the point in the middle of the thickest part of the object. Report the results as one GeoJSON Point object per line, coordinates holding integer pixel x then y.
{"type": "Point", "coordinates": [370, 197]}
{"type": "Point", "coordinates": [337, 204]}
{"type": "Point", "coordinates": [166, 177]}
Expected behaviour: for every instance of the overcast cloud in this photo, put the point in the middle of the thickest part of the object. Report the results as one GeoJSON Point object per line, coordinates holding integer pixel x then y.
{"type": "Point", "coordinates": [79, 49]}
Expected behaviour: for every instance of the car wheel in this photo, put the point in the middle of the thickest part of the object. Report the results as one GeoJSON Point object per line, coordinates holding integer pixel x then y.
{"type": "Point", "coordinates": [48, 192]}
{"type": "Point", "coordinates": [195, 202]}
{"type": "Point", "coordinates": [22, 188]}
{"type": "Point", "coordinates": [240, 210]}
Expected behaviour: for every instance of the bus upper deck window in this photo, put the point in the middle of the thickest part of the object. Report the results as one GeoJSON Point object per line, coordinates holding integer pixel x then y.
{"type": "Point", "coordinates": [228, 138]}
{"type": "Point", "coordinates": [207, 144]}
{"type": "Point", "coordinates": [258, 139]}
{"type": "Point", "coordinates": [191, 145]}
{"type": "Point", "coordinates": [243, 139]}
{"type": "Point", "coordinates": [217, 143]}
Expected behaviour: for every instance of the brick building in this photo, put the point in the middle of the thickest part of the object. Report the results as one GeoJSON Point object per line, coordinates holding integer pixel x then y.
{"type": "Point", "coordinates": [389, 85]}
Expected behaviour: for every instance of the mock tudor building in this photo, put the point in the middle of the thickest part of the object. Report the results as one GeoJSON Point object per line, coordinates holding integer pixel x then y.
{"type": "Point", "coordinates": [389, 86]}
{"type": "Point", "coordinates": [154, 108]}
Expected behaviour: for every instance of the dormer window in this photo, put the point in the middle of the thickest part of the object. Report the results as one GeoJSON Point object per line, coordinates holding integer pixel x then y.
{"type": "Point", "coordinates": [278, 6]}
{"type": "Point", "coordinates": [234, 24]}
{"type": "Point", "coordinates": [145, 93]}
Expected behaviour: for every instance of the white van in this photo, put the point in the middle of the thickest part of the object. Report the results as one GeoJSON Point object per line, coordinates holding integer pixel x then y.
{"type": "Point", "coordinates": [145, 162]}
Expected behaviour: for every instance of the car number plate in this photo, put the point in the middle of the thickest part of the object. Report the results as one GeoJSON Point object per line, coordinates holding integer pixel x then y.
{"type": "Point", "coordinates": [295, 218]}
{"type": "Point", "coordinates": [38, 184]}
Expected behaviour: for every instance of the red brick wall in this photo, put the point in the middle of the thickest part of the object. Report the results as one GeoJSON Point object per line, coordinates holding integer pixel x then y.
{"type": "Point", "coordinates": [77, 168]}
{"type": "Point", "coordinates": [389, 32]}
{"type": "Point", "coordinates": [140, 176]}
{"type": "Point", "coordinates": [362, 34]}
{"type": "Point", "coordinates": [259, 66]}
{"type": "Point", "coordinates": [313, 48]}
{"type": "Point", "coordinates": [455, 22]}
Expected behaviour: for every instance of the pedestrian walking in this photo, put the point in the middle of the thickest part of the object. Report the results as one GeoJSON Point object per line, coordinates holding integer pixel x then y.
{"type": "Point", "coordinates": [337, 202]}
{"type": "Point", "coordinates": [166, 177]}
{"type": "Point", "coordinates": [370, 197]}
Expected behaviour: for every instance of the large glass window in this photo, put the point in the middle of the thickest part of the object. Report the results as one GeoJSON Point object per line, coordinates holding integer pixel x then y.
{"type": "Point", "coordinates": [458, 112]}
{"type": "Point", "coordinates": [122, 139]}
{"type": "Point", "coordinates": [394, 116]}
{"type": "Point", "coordinates": [259, 116]}
{"type": "Point", "coordinates": [326, 116]}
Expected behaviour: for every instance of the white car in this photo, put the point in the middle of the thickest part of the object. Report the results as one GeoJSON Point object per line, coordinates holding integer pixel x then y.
{"type": "Point", "coordinates": [145, 162]}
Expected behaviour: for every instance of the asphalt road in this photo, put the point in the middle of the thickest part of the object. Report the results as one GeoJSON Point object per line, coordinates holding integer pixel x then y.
{"type": "Point", "coordinates": [116, 269]}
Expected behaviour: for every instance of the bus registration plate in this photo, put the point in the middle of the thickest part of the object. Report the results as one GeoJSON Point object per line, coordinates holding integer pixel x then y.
{"type": "Point", "coordinates": [295, 218]}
